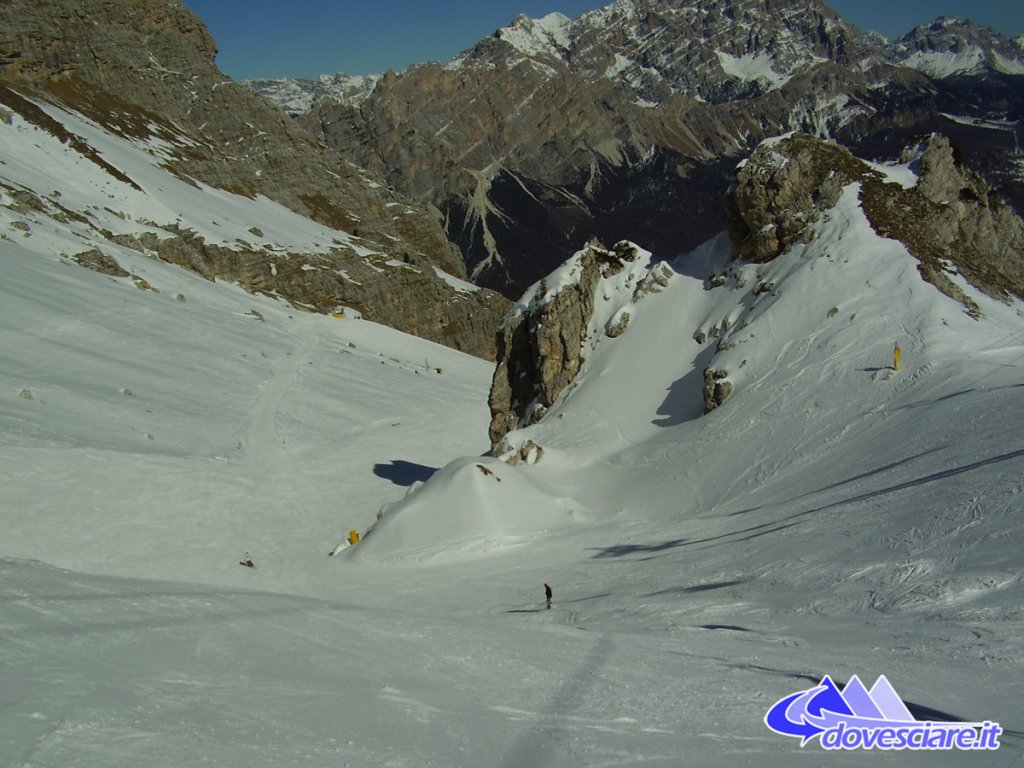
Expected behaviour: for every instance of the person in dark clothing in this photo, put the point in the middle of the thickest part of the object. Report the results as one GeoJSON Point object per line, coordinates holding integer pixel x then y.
{"type": "Point", "coordinates": [547, 594]}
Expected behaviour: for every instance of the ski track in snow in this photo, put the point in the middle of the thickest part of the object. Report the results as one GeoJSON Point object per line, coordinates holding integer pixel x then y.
{"type": "Point", "coordinates": [268, 447]}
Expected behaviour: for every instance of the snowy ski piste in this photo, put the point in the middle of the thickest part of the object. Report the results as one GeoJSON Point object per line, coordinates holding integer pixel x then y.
{"type": "Point", "coordinates": [833, 517]}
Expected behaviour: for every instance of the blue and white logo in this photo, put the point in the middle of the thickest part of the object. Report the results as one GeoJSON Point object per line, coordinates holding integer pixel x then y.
{"type": "Point", "coordinates": [857, 718]}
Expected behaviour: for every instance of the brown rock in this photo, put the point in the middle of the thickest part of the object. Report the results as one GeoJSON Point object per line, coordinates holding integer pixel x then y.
{"type": "Point", "coordinates": [950, 218]}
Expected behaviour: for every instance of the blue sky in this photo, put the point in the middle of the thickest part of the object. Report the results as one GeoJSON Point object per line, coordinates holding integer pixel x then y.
{"type": "Point", "coordinates": [306, 38]}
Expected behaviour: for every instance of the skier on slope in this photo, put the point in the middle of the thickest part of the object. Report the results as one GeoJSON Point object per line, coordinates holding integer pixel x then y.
{"type": "Point", "coordinates": [247, 561]}
{"type": "Point", "coordinates": [547, 593]}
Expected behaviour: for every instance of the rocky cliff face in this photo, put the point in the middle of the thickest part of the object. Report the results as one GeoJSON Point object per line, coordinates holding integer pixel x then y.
{"type": "Point", "coordinates": [627, 122]}
{"type": "Point", "coordinates": [951, 220]}
{"type": "Point", "coordinates": [145, 71]}
{"type": "Point", "coordinates": [543, 343]}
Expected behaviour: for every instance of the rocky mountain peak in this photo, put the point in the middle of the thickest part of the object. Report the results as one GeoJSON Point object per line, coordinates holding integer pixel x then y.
{"type": "Point", "coordinates": [297, 96]}
{"type": "Point", "coordinates": [951, 47]}
{"type": "Point", "coordinates": [714, 50]}
{"type": "Point", "coordinates": [547, 37]}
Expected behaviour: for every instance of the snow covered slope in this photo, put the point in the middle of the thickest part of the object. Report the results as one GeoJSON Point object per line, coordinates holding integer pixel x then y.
{"type": "Point", "coordinates": [151, 432]}
{"type": "Point", "coordinates": [83, 182]}
{"type": "Point", "coordinates": [831, 517]}
{"type": "Point", "coordinates": [90, 183]}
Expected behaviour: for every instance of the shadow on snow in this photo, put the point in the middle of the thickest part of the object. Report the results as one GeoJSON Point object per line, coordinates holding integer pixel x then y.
{"type": "Point", "coordinates": [404, 473]}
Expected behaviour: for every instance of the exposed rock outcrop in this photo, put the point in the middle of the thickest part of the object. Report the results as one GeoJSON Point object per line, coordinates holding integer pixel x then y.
{"type": "Point", "coordinates": [781, 190]}
{"type": "Point", "coordinates": [544, 340]}
{"type": "Point", "coordinates": [413, 297]}
{"type": "Point", "coordinates": [540, 350]}
{"type": "Point", "coordinates": [951, 219]}
{"type": "Point", "coordinates": [101, 262]}
{"type": "Point", "coordinates": [717, 388]}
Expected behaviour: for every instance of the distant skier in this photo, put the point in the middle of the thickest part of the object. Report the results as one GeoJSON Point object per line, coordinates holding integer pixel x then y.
{"type": "Point", "coordinates": [247, 561]}
{"type": "Point", "coordinates": [547, 594]}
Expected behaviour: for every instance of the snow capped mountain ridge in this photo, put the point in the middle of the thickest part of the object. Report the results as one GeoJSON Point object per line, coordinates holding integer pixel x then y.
{"type": "Point", "coordinates": [950, 47]}
{"type": "Point", "coordinates": [549, 35]}
{"type": "Point", "coordinates": [646, 55]}
{"type": "Point", "coordinates": [750, 47]}
{"type": "Point", "coordinates": [636, 44]}
{"type": "Point", "coordinates": [147, 79]}
{"type": "Point", "coordinates": [692, 49]}
{"type": "Point", "coordinates": [297, 96]}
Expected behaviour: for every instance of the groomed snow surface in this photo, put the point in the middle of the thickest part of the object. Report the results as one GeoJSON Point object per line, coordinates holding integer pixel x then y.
{"type": "Point", "coordinates": [833, 517]}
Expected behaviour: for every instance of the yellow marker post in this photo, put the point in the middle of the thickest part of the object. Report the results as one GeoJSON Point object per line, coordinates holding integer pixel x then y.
{"type": "Point", "coordinates": [896, 356]}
